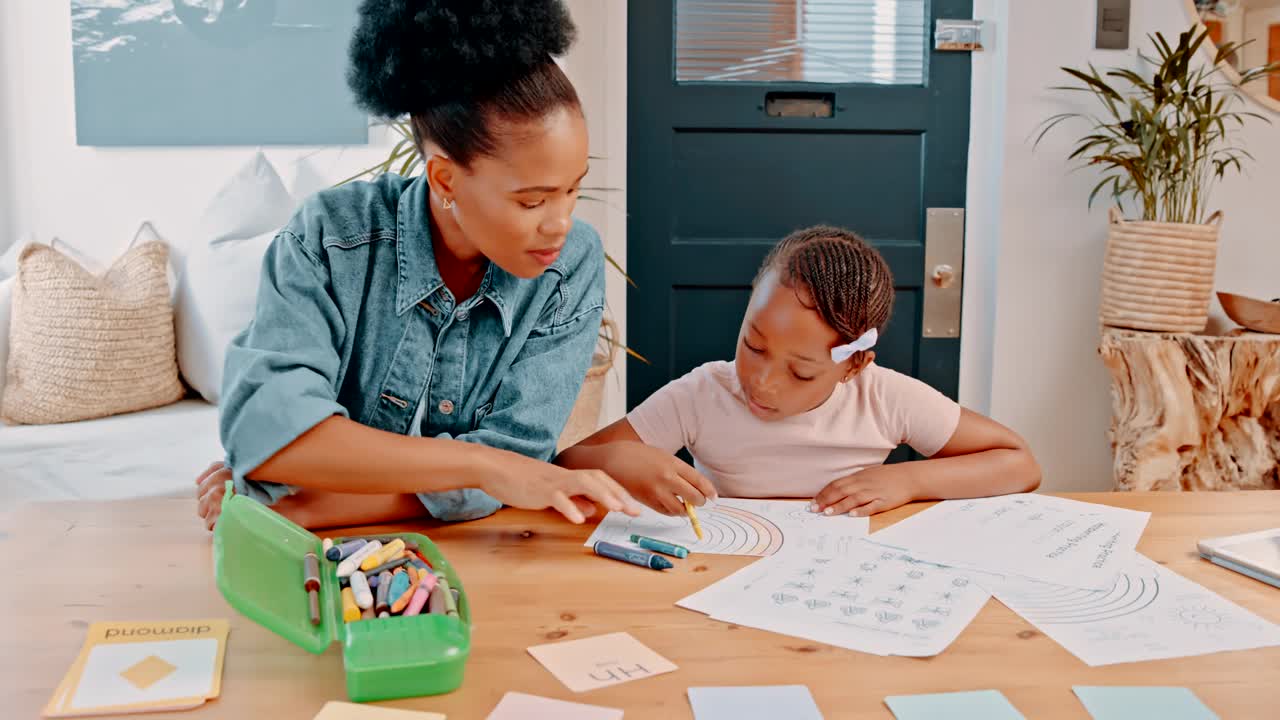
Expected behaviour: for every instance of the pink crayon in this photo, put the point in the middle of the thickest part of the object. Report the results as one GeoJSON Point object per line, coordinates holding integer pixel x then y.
{"type": "Point", "coordinates": [426, 582]}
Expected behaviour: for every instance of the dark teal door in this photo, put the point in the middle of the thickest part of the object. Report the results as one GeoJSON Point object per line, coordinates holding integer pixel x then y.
{"type": "Point", "coordinates": [726, 156]}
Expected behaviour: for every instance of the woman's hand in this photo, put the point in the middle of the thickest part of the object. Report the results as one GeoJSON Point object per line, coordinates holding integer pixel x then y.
{"type": "Point", "coordinates": [211, 485]}
{"type": "Point", "coordinates": [523, 482]}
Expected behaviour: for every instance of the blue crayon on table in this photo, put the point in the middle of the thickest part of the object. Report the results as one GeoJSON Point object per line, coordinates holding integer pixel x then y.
{"type": "Point", "coordinates": [661, 546]}
{"type": "Point", "coordinates": [343, 551]}
{"type": "Point", "coordinates": [635, 556]}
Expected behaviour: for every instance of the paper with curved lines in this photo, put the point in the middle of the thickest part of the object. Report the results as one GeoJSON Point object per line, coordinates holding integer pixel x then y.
{"type": "Point", "coordinates": [1149, 613]}
{"type": "Point", "coordinates": [737, 526]}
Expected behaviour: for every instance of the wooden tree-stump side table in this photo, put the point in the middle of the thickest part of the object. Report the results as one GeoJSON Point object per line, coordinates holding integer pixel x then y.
{"type": "Point", "coordinates": [1194, 412]}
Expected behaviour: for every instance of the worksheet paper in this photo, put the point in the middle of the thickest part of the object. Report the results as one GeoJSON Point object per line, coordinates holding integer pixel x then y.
{"type": "Point", "coordinates": [1038, 537]}
{"type": "Point", "coordinates": [862, 597]}
{"type": "Point", "coordinates": [736, 526]}
{"type": "Point", "coordinates": [1149, 613]}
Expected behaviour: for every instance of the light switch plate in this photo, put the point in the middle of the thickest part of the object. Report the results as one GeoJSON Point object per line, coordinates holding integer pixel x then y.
{"type": "Point", "coordinates": [1113, 25]}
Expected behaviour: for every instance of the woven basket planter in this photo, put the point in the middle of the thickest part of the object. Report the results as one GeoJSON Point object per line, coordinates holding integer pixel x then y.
{"type": "Point", "coordinates": [1159, 276]}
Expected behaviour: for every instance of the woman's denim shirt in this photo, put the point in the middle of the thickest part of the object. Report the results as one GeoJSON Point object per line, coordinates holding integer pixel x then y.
{"type": "Point", "coordinates": [353, 319]}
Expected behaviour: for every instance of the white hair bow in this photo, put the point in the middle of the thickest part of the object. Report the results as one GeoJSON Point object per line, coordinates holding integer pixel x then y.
{"type": "Point", "coordinates": [865, 342]}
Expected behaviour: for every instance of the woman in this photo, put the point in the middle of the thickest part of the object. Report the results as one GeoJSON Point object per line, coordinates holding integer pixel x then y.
{"type": "Point", "coordinates": [420, 342]}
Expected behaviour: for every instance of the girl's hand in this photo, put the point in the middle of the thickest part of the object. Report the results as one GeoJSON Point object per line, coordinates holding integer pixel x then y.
{"type": "Point", "coordinates": [211, 485]}
{"type": "Point", "coordinates": [864, 493]}
{"type": "Point", "coordinates": [656, 478]}
{"type": "Point", "coordinates": [523, 482]}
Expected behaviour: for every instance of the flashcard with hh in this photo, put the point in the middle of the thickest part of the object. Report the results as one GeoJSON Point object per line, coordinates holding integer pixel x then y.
{"type": "Point", "coordinates": [600, 661]}
{"type": "Point", "coordinates": [870, 598]}
{"type": "Point", "coordinates": [1038, 537]}
{"type": "Point", "coordinates": [1149, 613]}
{"type": "Point", "coordinates": [762, 702]}
{"type": "Point", "coordinates": [974, 705]}
{"type": "Point", "coordinates": [137, 667]}
{"type": "Point", "coordinates": [1136, 703]}
{"type": "Point", "coordinates": [334, 710]}
{"type": "Point", "coordinates": [736, 526]}
{"type": "Point", "coordinates": [519, 706]}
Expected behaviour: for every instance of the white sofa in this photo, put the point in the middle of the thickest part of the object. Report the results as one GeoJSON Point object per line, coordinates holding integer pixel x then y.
{"type": "Point", "coordinates": [159, 451]}
{"type": "Point", "coordinates": [149, 453]}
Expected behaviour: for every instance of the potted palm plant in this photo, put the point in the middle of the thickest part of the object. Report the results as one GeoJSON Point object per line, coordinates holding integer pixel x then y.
{"type": "Point", "coordinates": [405, 159]}
{"type": "Point", "coordinates": [1162, 140]}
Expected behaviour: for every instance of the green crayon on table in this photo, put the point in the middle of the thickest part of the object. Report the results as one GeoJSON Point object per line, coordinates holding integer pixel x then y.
{"type": "Point", "coordinates": [450, 606]}
{"type": "Point", "coordinates": [661, 546]}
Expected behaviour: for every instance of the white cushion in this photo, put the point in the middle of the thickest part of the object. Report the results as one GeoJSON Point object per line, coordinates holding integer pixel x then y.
{"type": "Point", "coordinates": [253, 201]}
{"type": "Point", "coordinates": [218, 286]}
{"type": "Point", "coordinates": [215, 302]}
{"type": "Point", "coordinates": [9, 260]}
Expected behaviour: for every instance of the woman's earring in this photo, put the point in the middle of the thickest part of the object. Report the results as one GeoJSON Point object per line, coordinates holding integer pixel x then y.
{"type": "Point", "coordinates": [446, 203]}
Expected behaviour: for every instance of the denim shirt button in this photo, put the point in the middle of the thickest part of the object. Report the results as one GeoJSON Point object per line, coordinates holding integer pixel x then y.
{"type": "Point", "coordinates": [446, 407]}
{"type": "Point", "coordinates": [461, 315]}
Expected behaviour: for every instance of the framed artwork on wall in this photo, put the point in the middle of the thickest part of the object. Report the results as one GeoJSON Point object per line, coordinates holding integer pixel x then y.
{"type": "Point", "coordinates": [214, 72]}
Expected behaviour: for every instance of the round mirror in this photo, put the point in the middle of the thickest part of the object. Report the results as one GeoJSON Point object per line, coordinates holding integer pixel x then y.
{"type": "Point", "coordinates": [1256, 22]}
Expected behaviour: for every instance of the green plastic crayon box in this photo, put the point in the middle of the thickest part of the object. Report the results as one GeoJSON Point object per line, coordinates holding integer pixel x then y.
{"type": "Point", "coordinates": [258, 565]}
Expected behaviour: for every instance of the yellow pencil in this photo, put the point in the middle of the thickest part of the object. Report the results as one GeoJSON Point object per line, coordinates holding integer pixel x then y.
{"type": "Point", "coordinates": [693, 518]}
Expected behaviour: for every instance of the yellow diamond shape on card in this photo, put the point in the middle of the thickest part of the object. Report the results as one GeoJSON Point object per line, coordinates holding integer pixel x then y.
{"type": "Point", "coordinates": [147, 672]}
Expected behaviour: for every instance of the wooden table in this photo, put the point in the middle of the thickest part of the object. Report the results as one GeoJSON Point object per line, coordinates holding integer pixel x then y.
{"type": "Point", "coordinates": [531, 582]}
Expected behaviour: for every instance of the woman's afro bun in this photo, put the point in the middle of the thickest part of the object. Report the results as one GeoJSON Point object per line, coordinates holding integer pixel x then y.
{"type": "Point", "coordinates": [411, 55]}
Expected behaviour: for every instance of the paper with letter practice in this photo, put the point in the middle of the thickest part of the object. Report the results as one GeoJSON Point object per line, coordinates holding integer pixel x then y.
{"type": "Point", "coordinates": [863, 597]}
{"type": "Point", "coordinates": [1038, 537]}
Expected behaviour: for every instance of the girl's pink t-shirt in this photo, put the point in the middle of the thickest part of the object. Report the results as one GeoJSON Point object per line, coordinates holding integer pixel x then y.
{"type": "Point", "coordinates": [863, 421]}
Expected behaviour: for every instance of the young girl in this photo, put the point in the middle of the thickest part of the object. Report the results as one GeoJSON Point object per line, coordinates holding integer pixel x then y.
{"type": "Point", "coordinates": [803, 411]}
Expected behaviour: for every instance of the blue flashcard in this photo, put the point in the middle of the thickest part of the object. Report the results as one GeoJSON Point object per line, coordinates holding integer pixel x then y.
{"type": "Point", "coordinates": [760, 702]}
{"type": "Point", "coordinates": [1139, 703]}
{"type": "Point", "coordinates": [975, 705]}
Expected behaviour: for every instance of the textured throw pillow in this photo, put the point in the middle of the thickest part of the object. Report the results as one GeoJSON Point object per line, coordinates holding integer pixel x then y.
{"type": "Point", "coordinates": [85, 346]}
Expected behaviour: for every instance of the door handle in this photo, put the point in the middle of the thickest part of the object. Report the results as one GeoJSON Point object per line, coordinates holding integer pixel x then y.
{"type": "Point", "coordinates": [944, 278]}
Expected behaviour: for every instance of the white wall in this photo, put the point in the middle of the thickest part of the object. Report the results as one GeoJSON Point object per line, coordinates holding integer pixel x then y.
{"type": "Point", "coordinates": [95, 198]}
{"type": "Point", "coordinates": [1047, 381]}
{"type": "Point", "coordinates": [8, 199]}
